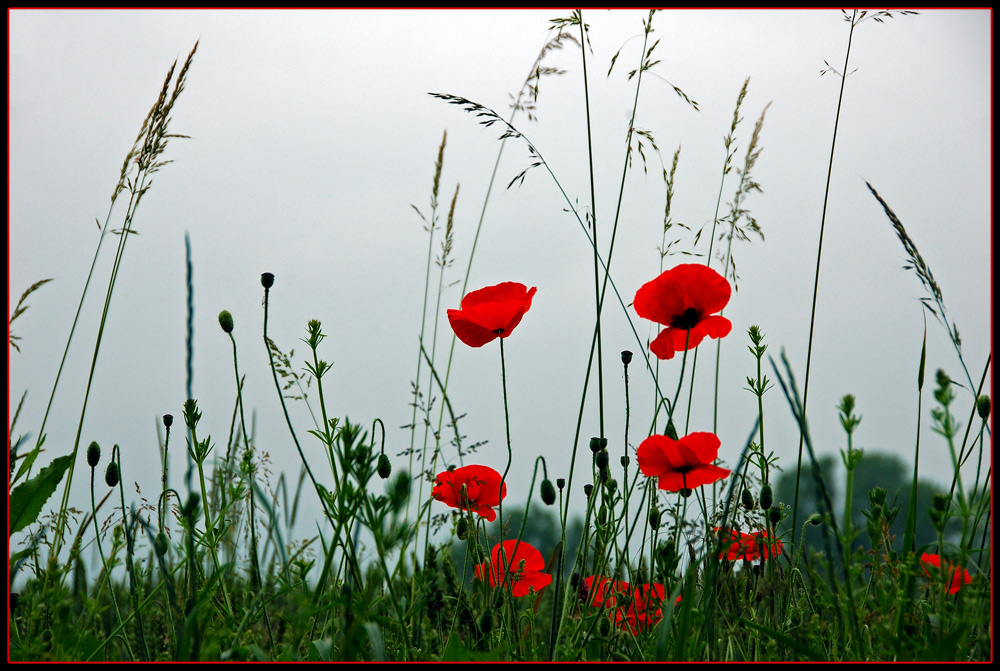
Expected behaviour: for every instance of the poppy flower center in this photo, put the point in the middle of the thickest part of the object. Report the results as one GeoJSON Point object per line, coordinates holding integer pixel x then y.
{"type": "Point", "coordinates": [688, 320]}
{"type": "Point", "coordinates": [498, 331]}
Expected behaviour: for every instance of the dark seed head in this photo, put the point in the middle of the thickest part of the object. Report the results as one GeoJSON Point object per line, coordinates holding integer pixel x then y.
{"type": "Point", "coordinates": [168, 420]}
{"type": "Point", "coordinates": [626, 357]}
{"type": "Point", "coordinates": [267, 280]}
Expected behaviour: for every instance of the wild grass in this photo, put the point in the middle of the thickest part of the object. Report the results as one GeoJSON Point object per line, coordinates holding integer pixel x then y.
{"type": "Point", "coordinates": [745, 570]}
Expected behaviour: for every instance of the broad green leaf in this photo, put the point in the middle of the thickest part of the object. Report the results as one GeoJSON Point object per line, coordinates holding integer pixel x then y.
{"type": "Point", "coordinates": [27, 500]}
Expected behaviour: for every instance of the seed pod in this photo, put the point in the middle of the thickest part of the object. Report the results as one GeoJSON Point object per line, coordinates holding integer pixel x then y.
{"type": "Point", "coordinates": [598, 444]}
{"type": "Point", "coordinates": [588, 490]}
{"type": "Point", "coordinates": [626, 357]}
{"type": "Point", "coordinates": [601, 459]}
{"type": "Point", "coordinates": [111, 475]}
{"type": "Point", "coordinates": [267, 280]}
{"type": "Point", "coordinates": [168, 420]}
{"type": "Point", "coordinates": [93, 454]}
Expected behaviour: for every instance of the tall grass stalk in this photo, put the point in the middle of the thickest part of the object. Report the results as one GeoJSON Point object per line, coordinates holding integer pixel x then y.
{"type": "Point", "coordinates": [141, 162]}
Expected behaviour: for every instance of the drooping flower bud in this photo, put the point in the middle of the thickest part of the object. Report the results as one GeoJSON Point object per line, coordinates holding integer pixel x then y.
{"type": "Point", "coordinates": [774, 515]}
{"type": "Point", "coordinates": [384, 467]}
{"type": "Point", "coordinates": [160, 544]}
{"type": "Point", "coordinates": [548, 492]}
{"type": "Point", "coordinates": [766, 497]}
{"type": "Point", "coordinates": [747, 499]}
{"type": "Point", "coordinates": [983, 407]}
{"type": "Point", "coordinates": [111, 475]}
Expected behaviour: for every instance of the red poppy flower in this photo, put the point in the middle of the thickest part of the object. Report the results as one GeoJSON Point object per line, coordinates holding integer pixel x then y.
{"type": "Point", "coordinates": [681, 464]}
{"type": "Point", "coordinates": [490, 313]}
{"type": "Point", "coordinates": [750, 546]}
{"type": "Point", "coordinates": [645, 610]}
{"type": "Point", "coordinates": [959, 575]}
{"type": "Point", "coordinates": [607, 593]}
{"type": "Point", "coordinates": [522, 567]}
{"type": "Point", "coordinates": [684, 299]}
{"type": "Point", "coordinates": [476, 488]}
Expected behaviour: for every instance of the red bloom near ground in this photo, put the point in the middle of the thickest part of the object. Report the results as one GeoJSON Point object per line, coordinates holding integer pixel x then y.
{"type": "Point", "coordinates": [681, 464]}
{"type": "Point", "coordinates": [490, 313]}
{"type": "Point", "coordinates": [475, 488]}
{"type": "Point", "coordinates": [684, 299]}
{"type": "Point", "coordinates": [522, 568]}
{"type": "Point", "coordinates": [932, 567]}
{"type": "Point", "coordinates": [636, 610]}
{"type": "Point", "coordinates": [750, 546]}
{"type": "Point", "coordinates": [645, 610]}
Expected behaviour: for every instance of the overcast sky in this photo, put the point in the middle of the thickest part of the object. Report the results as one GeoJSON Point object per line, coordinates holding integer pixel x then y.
{"type": "Point", "coordinates": [311, 134]}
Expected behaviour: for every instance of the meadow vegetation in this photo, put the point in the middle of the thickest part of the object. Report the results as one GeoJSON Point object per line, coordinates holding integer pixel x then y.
{"type": "Point", "coordinates": [684, 551]}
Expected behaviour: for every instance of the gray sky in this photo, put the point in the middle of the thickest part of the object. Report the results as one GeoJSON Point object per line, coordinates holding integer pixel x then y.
{"type": "Point", "coordinates": [312, 134]}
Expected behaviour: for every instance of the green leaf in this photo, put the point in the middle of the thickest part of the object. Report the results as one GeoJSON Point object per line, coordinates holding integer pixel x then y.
{"type": "Point", "coordinates": [27, 500]}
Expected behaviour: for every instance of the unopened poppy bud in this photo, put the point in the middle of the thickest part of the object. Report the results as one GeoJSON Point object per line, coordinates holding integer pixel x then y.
{"type": "Point", "coordinates": [815, 519]}
{"type": "Point", "coordinates": [160, 544]}
{"type": "Point", "coordinates": [384, 467]}
{"type": "Point", "coordinates": [624, 461]}
{"type": "Point", "coordinates": [548, 492]}
{"type": "Point", "coordinates": [747, 499]}
{"type": "Point", "coordinates": [560, 483]}
{"type": "Point", "coordinates": [462, 528]}
{"type": "Point", "coordinates": [588, 490]}
{"type": "Point", "coordinates": [611, 485]}
{"type": "Point", "coordinates": [111, 474]}
{"type": "Point", "coordinates": [267, 280]}
{"type": "Point", "coordinates": [774, 515]}
{"type": "Point", "coordinates": [654, 518]}
{"type": "Point", "coordinates": [604, 627]}
{"type": "Point", "coordinates": [46, 635]}
{"type": "Point", "coordinates": [93, 454]}
{"type": "Point", "coordinates": [601, 459]}
{"type": "Point", "coordinates": [574, 580]}
{"type": "Point", "coordinates": [670, 431]}
{"type": "Point", "coordinates": [940, 502]}
{"type": "Point", "coordinates": [191, 507]}
{"type": "Point", "coordinates": [226, 321]}
{"type": "Point", "coordinates": [168, 420]}
{"type": "Point", "coordinates": [486, 621]}
{"type": "Point", "coordinates": [766, 497]}
{"type": "Point", "coordinates": [598, 444]}
{"type": "Point", "coordinates": [626, 357]}
{"type": "Point", "coordinates": [685, 492]}
{"type": "Point", "coordinates": [983, 407]}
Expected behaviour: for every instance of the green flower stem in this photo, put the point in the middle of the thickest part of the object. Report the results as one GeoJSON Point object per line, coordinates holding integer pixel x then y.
{"type": "Point", "coordinates": [104, 561]}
